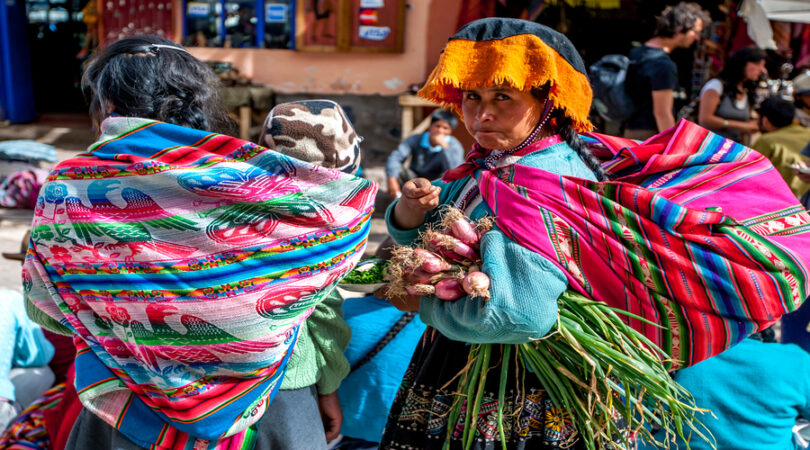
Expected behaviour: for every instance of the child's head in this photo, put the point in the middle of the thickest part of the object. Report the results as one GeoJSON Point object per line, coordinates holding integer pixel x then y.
{"type": "Point", "coordinates": [442, 124]}
{"type": "Point", "coordinates": [316, 131]}
{"type": "Point", "coordinates": [442, 121]}
{"type": "Point", "coordinates": [444, 118]}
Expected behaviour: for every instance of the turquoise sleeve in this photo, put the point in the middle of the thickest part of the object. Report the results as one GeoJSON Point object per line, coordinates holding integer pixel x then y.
{"type": "Point", "coordinates": [523, 305]}
{"type": "Point", "coordinates": [32, 348]}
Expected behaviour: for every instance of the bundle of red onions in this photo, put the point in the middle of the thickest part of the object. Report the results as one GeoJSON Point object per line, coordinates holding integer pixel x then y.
{"type": "Point", "coordinates": [445, 261]}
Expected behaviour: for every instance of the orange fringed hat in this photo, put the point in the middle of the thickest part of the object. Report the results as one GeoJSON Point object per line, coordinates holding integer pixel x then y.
{"type": "Point", "coordinates": [518, 53]}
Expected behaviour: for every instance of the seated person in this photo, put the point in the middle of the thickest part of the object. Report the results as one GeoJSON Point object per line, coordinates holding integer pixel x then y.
{"type": "Point", "coordinates": [783, 140]}
{"type": "Point", "coordinates": [432, 153]}
{"type": "Point", "coordinates": [24, 355]}
{"type": "Point", "coordinates": [757, 390]}
{"type": "Point", "coordinates": [804, 175]}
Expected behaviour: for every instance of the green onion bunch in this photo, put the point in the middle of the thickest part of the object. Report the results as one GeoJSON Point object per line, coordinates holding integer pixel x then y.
{"type": "Point", "coordinates": [607, 376]}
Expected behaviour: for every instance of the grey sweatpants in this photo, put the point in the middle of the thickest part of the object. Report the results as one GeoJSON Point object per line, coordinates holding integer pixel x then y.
{"type": "Point", "coordinates": [292, 422]}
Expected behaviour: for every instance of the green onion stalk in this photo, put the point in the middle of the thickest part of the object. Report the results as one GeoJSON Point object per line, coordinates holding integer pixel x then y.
{"type": "Point", "coordinates": [608, 377]}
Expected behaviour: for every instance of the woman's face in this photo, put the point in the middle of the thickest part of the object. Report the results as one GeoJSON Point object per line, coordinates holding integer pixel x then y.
{"type": "Point", "coordinates": [753, 70]}
{"type": "Point", "coordinates": [500, 117]}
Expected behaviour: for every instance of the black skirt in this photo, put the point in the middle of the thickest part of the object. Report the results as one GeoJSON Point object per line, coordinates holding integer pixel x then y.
{"type": "Point", "coordinates": [421, 409]}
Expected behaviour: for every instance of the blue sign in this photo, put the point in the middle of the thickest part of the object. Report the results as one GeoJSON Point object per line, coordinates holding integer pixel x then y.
{"type": "Point", "coordinates": [198, 9]}
{"type": "Point", "coordinates": [374, 33]}
{"type": "Point", "coordinates": [276, 12]}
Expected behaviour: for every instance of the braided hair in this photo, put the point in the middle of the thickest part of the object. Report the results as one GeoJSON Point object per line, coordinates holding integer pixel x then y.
{"type": "Point", "coordinates": [565, 128]}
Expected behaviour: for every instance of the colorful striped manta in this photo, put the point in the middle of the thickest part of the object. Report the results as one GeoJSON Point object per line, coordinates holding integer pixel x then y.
{"type": "Point", "coordinates": [184, 262]}
{"type": "Point", "coordinates": [695, 233]}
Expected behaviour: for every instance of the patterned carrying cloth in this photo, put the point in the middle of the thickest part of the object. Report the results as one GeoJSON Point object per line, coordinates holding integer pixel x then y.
{"type": "Point", "coordinates": [696, 233]}
{"type": "Point", "coordinates": [184, 262]}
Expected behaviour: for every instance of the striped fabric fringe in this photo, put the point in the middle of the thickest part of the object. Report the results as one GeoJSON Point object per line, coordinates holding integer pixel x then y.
{"type": "Point", "coordinates": [695, 233]}
{"type": "Point", "coordinates": [184, 262]}
{"type": "Point", "coordinates": [28, 429]}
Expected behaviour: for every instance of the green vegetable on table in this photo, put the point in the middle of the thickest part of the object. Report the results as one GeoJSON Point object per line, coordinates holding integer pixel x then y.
{"type": "Point", "coordinates": [371, 272]}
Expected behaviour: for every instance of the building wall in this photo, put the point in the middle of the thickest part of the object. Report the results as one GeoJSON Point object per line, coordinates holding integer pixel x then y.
{"type": "Point", "coordinates": [442, 22]}
{"type": "Point", "coordinates": [345, 73]}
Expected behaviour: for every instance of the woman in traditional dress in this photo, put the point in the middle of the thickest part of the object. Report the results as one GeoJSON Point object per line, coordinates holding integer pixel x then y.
{"type": "Point", "coordinates": [663, 239]}
{"type": "Point", "coordinates": [184, 262]}
{"type": "Point", "coordinates": [523, 94]}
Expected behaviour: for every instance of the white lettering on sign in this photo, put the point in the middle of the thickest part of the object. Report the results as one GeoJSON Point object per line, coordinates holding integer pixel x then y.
{"type": "Point", "coordinates": [368, 16]}
{"type": "Point", "coordinates": [371, 3]}
{"type": "Point", "coordinates": [374, 33]}
{"type": "Point", "coordinates": [275, 13]}
{"type": "Point", "coordinates": [198, 9]}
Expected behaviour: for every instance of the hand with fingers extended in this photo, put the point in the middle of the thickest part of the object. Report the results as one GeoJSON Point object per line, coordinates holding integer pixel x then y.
{"type": "Point", "coordinates": [418, 197]}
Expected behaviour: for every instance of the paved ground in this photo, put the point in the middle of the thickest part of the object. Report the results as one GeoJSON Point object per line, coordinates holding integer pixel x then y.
{"type": "Point", "coordinates": [71, 134]}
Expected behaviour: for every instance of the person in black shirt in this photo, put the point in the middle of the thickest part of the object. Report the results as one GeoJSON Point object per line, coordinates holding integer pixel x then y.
{"type": "Point", "coordinates": [654, 76]}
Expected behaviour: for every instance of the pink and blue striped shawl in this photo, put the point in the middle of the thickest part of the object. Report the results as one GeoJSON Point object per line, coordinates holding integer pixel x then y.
{"type": "Point", "coordinates": [695, 233]}
{"type": "Point", "coordinates": [184, 262]}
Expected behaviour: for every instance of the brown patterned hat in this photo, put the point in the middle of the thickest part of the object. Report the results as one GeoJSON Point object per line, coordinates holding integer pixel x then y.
{"type": "Point", "coordinates": [316, 131]}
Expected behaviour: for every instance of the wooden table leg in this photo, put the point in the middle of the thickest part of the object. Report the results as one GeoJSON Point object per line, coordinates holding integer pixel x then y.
{"type": "Point", "coordinates": [244, 122]}
{"type": "Point", "coordinates": [407, 121]}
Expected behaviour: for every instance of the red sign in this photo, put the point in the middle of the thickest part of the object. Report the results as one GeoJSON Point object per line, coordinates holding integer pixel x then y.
{"type": "Point", "coordinates": [368, 16]}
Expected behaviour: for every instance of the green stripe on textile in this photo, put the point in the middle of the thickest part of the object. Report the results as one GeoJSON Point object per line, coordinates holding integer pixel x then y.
{"type": "Point", "coordinates": [791, 231]}
{"type": "Point", "coordinates": [674, 335]}
{"type": "Point", "coordinates": [249, 438]}
{"type": "Point", "coordinates": [756, 247]}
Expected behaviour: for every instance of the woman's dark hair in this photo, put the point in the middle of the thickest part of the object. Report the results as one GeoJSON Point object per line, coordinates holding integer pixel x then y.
{"type": "Point", "coordinates": [734, 71]}
{"type": "Point", "coordinates": [679, 19]}
{"type": "Point", "coordinates": [388, 337]}
{"type": "Point", "coordinates": [566, 130]}
{"type": "Point", "coordinates": [154, 78]}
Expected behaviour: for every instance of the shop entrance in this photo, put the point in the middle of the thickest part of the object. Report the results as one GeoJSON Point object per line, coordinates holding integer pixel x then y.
{"type": "Point", "coordinates": [56, 36]}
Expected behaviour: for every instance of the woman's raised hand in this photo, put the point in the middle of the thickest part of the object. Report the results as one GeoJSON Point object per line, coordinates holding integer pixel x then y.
{"type": "Point", "coordinates": [418, 197]}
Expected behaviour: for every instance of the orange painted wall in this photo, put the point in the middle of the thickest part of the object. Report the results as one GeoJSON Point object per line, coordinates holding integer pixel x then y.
{"type": "Point", "coordinates": [347, 73]}
{"type": "Point", "coordinates": [441, 25]}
